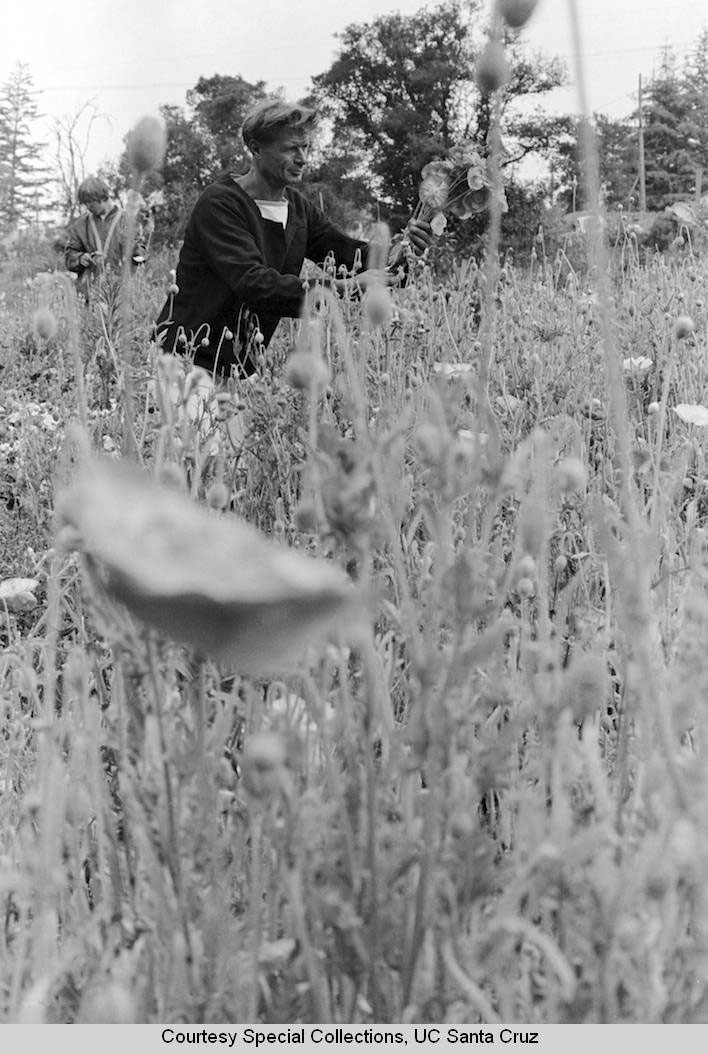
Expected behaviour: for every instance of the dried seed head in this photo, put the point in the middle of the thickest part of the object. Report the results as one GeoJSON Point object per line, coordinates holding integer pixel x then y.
{"type": "Point", "coordinates": [516, 13]}
{"type": "Point", "coordinates": [44, 323]}
{"type": "Point", "coordinates": [683, 327]}
{"type": "Point", "coordinates": [492, 70]}
{"type": "Point", "coordinates": [147, 143]}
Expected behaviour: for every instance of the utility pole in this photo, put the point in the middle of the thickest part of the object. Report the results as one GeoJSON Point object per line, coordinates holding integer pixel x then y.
{"type": "Point", "coordinates": [642, 165]}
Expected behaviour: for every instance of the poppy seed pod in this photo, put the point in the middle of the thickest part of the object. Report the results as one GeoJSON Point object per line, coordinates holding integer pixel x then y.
{"type": "Point", "coordinates": [492, 70]}
{"type": "Point", "coordinates": [516, 13]}
{"type": "Point", "coordinates": [147, 143]}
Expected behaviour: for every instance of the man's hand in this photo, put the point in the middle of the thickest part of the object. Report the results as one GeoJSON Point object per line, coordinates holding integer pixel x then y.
{"type": "Point", "coordinates": [419, 234]}
{"type": "Point", "coordinates": [364, 280]}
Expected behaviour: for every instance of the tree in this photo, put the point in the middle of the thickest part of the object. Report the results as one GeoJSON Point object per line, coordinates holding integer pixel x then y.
{"type": "Point", "coordinates": [219, 105]}
{"type": "Point", "coordinates": [71, 135]}
{"type": "Point", "coordinates": [694, 126]}
{"type": "Point", "coordinates": [21, 176]}
{"type": "Point", "coordinates": [670, 173]}
{"type": "Point", "coordinates": [617, 149]}
{"type": "Point", "coordinates": [401, 91]}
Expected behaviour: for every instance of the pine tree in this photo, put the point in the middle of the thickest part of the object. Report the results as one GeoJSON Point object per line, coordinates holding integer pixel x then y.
{"type": "Point", "coordinates": [694, 126]}
{"type": "Point", "coordinates": [670, 172]}
{"type": "Point", "coordinates": [21, 176]}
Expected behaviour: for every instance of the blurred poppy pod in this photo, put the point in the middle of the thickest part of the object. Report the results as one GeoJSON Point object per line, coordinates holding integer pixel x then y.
{"type": "Point", "coordinates": [146, 146]}
{"type": "Point", "coordinates": [44, 323]}
{"type": "Point", "coordinates": [377, 305]}
{"type": "Point", "coordinates": [516, 13]}
{"type": "Point", "coordinates": [212, 582]}
{"type": "Point", "coordinates": [492, 70]}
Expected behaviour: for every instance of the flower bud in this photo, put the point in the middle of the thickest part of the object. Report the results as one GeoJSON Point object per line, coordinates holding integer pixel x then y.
{"type": "Point", "coordinates": [306, 517]}
{"type": "Point", "coordinates": [585, 685]}
{"type": "Point", "coordinates": [262, 763]}
{"type": "Point", "coordinates": [146, 146]}
{"type": "Point", "coordinates": [525, 587]}
{"type": "Point", "coordinates": [492, 70]}
{"type": "Point", "coordinates": [526, 567]}
{"type": "Point", "coordinates": [571, 474]}
{"type": "Point", "coordinates": [516, 13]}
{"type": "Point", "coordinates": [110, 1003]}
{"type": "Point", "coordinates": [218, 496]}
{"type": "Point", "coordinates": [44, 323]}
{"type": "Point", "coordinates": [683, 327]}
{"type": "Point", "coordinates": [377, 306]}
{"type": "Point", "coordinates": [304, 371]}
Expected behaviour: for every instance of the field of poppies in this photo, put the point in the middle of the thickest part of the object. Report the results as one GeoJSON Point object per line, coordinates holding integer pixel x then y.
{"type": "Point", "coordinates": [371, 690]}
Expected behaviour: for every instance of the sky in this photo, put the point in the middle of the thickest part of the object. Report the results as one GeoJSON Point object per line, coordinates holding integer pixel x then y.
{"type": "Point", "coordinates": [126, 59]}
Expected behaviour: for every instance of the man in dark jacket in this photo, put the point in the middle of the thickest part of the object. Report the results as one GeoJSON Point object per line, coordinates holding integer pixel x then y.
{"type": "Point", "coordinates": [245, 244]}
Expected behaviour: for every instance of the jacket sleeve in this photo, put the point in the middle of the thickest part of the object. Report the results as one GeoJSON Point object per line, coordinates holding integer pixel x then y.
{"type": "Point", "coordinates": [73, 249]}
{"type": "Point", "coordinates": [230, 248]}
{"type": "Point", "coordinates": [324, 238]}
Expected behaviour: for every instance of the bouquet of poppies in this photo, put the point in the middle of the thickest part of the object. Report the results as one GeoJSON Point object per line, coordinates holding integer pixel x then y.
{"type": "Point", "coordinates": [458, 183]}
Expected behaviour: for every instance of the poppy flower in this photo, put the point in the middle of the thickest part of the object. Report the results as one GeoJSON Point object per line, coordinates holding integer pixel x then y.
{"type": "Point", "coordinates": [210, 581]}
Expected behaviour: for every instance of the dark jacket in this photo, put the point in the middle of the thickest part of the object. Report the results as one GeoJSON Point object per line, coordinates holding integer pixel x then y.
{"type": "Point", "coordinates": [238, 271]}
{"type": "Point", "coordinates": [89, 233]}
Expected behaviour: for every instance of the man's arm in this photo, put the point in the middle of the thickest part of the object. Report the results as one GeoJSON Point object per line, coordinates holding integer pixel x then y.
{"type": "Point", "coordinates": [324, 239]}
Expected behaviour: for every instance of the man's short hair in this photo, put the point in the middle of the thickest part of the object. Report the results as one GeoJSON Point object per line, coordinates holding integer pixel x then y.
{"type": "Point", "coordinates": [93, 189]}
{"type": "Point", "coordinates": [266, 120]}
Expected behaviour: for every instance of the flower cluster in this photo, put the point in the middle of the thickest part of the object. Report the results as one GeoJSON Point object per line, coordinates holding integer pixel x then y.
{"type": "Point", "coordinates": [458, 183]}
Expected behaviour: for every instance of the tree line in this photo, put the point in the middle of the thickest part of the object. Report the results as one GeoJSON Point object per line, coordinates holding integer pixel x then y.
{"type": "Point", "coordinates": [399, 93]}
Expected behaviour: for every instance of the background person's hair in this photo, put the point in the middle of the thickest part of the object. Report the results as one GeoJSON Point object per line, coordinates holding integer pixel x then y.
{"type": "Point", "coordinates": [93, 189]}
{"type": "Point", "coordinates": [266, 119]}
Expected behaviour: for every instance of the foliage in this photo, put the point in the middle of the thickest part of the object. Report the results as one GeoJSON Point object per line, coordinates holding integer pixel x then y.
{"type": "Point", "coordinates": [401, 92]}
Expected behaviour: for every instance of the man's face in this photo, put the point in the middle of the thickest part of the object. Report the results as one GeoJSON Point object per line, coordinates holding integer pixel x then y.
{"type": "Point", "coordinates": [283, 161]}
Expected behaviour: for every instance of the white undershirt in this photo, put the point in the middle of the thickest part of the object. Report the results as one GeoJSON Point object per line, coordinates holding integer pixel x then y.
{"type": "Point", "coordinates": [273, 210]}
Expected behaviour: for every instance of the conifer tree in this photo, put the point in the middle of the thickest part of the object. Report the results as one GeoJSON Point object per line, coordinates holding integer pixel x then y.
{"type": "Point", "coordinates": [21, 175]}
